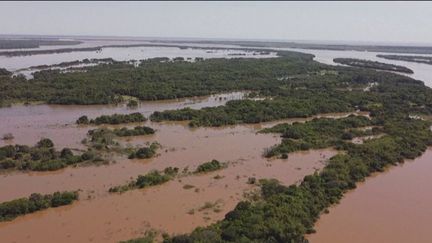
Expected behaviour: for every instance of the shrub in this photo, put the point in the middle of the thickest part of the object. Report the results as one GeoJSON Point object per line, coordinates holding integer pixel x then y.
{"type": "Point", "coordinates": [45, 143]}
{"type": "Point", "coordinates": [83, 120]}
{"type": "Point", "coordinates": [209, 166]}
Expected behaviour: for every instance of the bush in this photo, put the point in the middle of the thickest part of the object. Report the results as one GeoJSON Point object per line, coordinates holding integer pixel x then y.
{"type": "Point", "coordinates": [145, 152]}
{"type": "Point", "coordinates": [45, 143]}
{"type": "Point", "coordinates": [209, 166]}
{"type": "Point", "coordinates": [83, 120]}
{"type": "Point", "coordinates": [132, 104]}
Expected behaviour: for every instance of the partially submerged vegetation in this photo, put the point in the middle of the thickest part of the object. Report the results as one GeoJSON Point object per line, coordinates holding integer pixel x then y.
{"type": "Point", "coordinates": [105, 139]}
{"type": "Point", "coordinates": [144, 152]}
{"type": "Point", "coordinates": [372, 64]}
{"type": "Point", "coordinates": [153, 79]}
{"type": "Point", "coordinates": [42, 157]}
{"type": "Point", "coordinates": [152, 178]}
{"type": "Point", "coordinates": [295, 86]}
{"type": "Point", "coordinates": [418, 59]}
{"type": "Point", "coordinates": [136, 131]}
{"type": "Point", "coordinates": [318, 133]}
{"type": "Point", "coordinates": [35, 202]}
{"type": "Point", "coordinates": [209, 167]}
{"type": "Point", "coordinates": [113, 119]}
{"type": "Point", "coordinates": [249, 111]}
{"type": "Point", "coordinates": [286, 214]}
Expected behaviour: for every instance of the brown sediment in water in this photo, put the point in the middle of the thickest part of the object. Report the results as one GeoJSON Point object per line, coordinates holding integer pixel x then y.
{"type": "Point", "coordinates": [394, 206]}
{"type": "Point", "coordinates": [30, 123]}
{"type": "Point", "coordinates": [114, 217]}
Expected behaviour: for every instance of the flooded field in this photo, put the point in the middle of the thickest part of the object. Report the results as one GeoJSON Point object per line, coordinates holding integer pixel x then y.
{"type": "Point", "coordinates": [393, 206]}
{"type": "Point", "coordinates": [175, 207]}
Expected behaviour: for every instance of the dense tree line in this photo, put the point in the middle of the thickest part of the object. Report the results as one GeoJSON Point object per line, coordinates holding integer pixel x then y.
{"type": "Point", "coordinates": [35, 202]}
{"type": "Point", "coordinates": [410, 58]}
{"type": "Point", "coordinates": [41, 157]}
{"type": "Point", "coordinates": [372, 64]}
{"type": "Point", "coordinates": [113, 119]}
{"type": "Point", "coordinates": [249, 111]}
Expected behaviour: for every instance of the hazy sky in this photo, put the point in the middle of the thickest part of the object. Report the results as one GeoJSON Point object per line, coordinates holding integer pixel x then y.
{"type": "Point", "coordinates": [343, 21]}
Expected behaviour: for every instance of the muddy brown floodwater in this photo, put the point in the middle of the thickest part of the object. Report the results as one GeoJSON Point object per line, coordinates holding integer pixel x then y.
{"type": "Point", "coordinates": [102, 217]}
{"type": "Point", "coordinates": [394, 206]}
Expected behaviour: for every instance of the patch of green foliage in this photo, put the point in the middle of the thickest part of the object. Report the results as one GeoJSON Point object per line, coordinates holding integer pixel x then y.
{"type": "Point", "coordinates": [132, 104]}
{"type": "Point", "coordinates": [209, 166]}
{"type": "Point", "coordinates": [42, 157]}
{"type": "Point", "coordinates": [249, 111]}
{"type": "Point", "coordinates": [152, 178]}
{"type": "Point", "coordinates": [113, 119]}
{"type": "Point", "coordinates": [104, 138]}
{"type": "Point", "coordinates": [145, 152]}
{"type": "Point", "coordinates": [317, 133]}
{"type": "Point", "coordinates": [35, 202]}
{"type": "Point", "coordinates": [136, 131]}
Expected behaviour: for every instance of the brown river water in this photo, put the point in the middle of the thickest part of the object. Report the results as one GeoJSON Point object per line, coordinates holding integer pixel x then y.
{"type": "Point", "coordinates": [102, 217]}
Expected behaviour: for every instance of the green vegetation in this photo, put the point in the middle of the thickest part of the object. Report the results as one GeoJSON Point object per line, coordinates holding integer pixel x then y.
{"type": "Point", "coordinates": [317, 133]}
{"type": "Point", "coordinates": [36, 202]}
{"type": "Point", "coordinates": [104, 138]}
{"type": "Point", "coordinates": [209, 166]}
{"type": "Point", "coordinates": [372, 64]}
{"type": "Point", "coordinates": [418, 59]}
{"type": "Point", "coordinates": [4, 72]}
{"type": "Point", "coordinates": [152, 178]}
{"type": "Point", "coordinates": [132, 104]}
{"type": "Point", "coordinates": [145, 152]}
{"type": "Point", "coordinates": [113, 119]}
{"type": "Point", "coordinates": [153, 79]}
{"type": "Point", "coordinates": [42, 157]}
{"type": "Point", "coordinates": [295, 86]}
{"type": "Point", "coordinates": [136, 131]}
{"type": "Point", "coordinates": [249, 111]}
